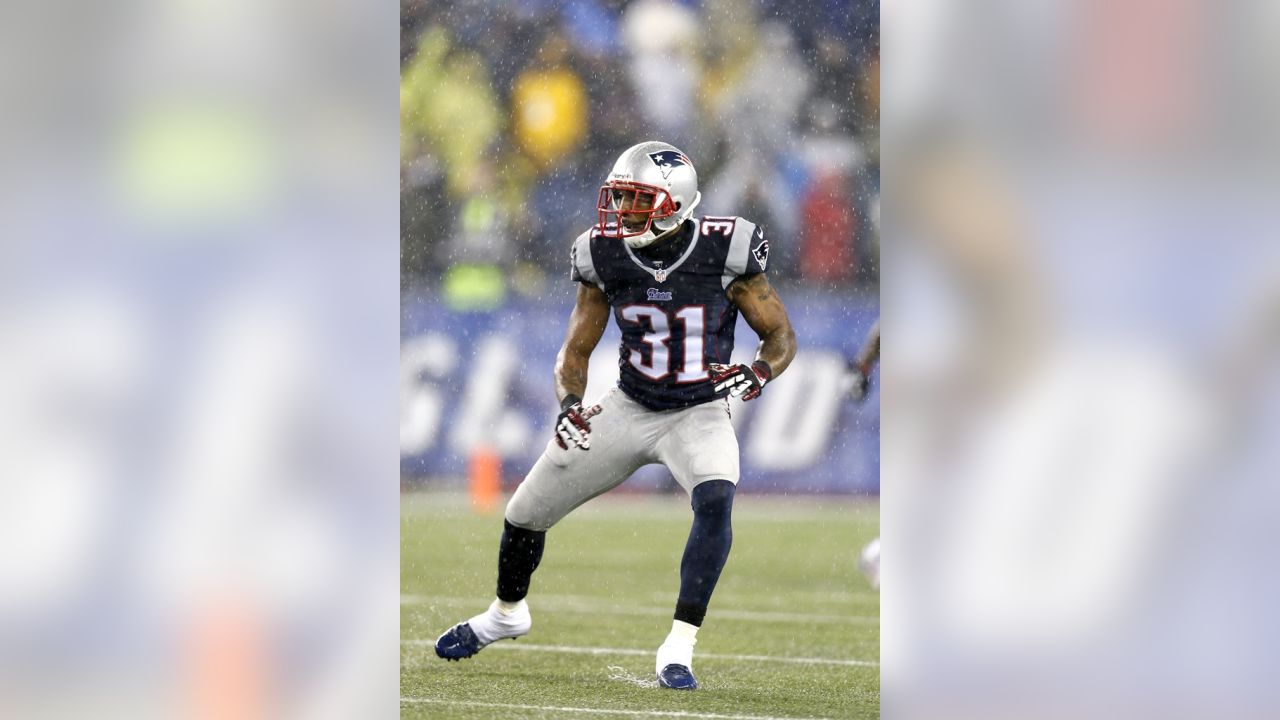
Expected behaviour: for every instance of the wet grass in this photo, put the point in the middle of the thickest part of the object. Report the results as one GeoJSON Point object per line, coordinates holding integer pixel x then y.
{"type": "Point", "coordinates": [793, 630]}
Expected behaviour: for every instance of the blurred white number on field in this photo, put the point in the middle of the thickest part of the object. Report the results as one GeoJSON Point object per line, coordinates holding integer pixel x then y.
{"type": "Point", "coordinates": [797, 415]}
{"type": "Point", "coordinates": [485, 418]}
{"type": "Point", "coordinates": [424, 361]}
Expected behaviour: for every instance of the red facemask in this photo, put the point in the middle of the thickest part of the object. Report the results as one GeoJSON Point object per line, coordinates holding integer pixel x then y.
{"type": "Point", "coordinates": [635, 201]}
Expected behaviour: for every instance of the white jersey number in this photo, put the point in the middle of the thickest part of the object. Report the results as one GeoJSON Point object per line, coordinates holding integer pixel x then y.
{"type": "Point", "coordinates": [659, 335]}
{"type": "Point", "coordinates": [724, 225]}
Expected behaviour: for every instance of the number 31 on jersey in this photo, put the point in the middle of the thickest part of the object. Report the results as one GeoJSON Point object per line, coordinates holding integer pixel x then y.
{"type": "Point", "coordinates": [657, 324]}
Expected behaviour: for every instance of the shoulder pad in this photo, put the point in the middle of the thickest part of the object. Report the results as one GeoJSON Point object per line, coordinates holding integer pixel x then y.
{"type": "Point", "coordinates": [583, 269]}
{"type": "Point", "coordinates": [748, 251]}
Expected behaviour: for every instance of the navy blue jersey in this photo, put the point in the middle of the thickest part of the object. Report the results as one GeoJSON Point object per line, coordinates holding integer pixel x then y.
{"type": "Point", "coordinates": [676, 318]}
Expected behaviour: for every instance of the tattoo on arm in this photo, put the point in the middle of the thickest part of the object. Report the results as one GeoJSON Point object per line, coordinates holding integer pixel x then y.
{"type": "Point", "coordinates": [764, 312]}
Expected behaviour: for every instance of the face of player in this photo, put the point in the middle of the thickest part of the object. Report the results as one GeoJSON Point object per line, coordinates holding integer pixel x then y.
{"type": "Point", "coordinates": [628, 201]}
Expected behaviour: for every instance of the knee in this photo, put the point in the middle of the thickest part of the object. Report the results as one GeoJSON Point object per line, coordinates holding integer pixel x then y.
{"type": "Point", "coordinates": [523, 513]}
{"type": "Point", "coordinates": [713, 499]}
{"type": "Point", "coordinates": [526, 521]}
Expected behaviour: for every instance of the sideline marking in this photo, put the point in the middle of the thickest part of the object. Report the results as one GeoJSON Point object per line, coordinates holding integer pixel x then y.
{"type": "Point", "coordinates": [570, 603]}
{"type": "Point", "coordinates": [581, 650]}
{"type": "Point", "coordinates": [599, 711]}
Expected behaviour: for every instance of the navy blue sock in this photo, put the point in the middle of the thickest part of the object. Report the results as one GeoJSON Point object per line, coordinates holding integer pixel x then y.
{"type": "Point", "coordinates": [707, 550]}
{"type": "Point", "coordinates": [518, 556]}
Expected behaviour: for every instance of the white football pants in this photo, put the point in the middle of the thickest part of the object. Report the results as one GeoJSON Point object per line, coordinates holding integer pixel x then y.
{"type": "Point", "coordinates": [695, 443]}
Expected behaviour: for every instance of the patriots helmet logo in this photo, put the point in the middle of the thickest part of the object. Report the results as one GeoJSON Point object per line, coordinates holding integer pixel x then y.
{"type": "Point", "coordinates": [762, 250]}
{"type": "Point", "coordinates": [668, 160]}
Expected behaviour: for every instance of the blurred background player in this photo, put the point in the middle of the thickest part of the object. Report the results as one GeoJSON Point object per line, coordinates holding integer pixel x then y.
{"type": "Point", "coordinates": [674, 284]}
{"type": "Point", "coordinates": [862, 364]}
{"type": "Point", "coordinates": [859, 379]}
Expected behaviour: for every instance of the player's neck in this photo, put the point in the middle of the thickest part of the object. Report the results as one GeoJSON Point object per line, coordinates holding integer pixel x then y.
{"type": "Point", "coordinates": [669, 247]}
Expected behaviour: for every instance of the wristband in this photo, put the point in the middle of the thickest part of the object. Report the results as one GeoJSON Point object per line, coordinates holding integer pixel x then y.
{"type": "Point", "coordinates": [761, 367]}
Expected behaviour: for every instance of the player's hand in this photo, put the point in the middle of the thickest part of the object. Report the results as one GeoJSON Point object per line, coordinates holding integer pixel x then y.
{"type": "Point", "coordinates": [571, 425]}
{"type": "Point", "coordinates": [859, 383]}
{"type": "Point", "coordinates": [742, 380]}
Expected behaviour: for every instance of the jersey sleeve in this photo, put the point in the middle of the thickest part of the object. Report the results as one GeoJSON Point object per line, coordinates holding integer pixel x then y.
{"type": "Point", "coordinates": [748, 252]}
{"type": "Point", "coordinates": [581, 268]}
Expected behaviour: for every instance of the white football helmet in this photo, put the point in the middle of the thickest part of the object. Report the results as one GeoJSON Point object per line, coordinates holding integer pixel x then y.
{"type": "Point", "coordinates": [651, 190]}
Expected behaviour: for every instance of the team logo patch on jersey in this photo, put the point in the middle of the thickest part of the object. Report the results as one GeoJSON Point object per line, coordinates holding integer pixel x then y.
{"type": "Point", "coordinates": [761, 252]}
{"type": "Point", "coordinates": [656, 294]}
{"type": "Point", "coordinates": [668, 160]}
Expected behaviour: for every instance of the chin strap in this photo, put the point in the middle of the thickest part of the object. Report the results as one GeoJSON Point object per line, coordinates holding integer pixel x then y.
{"type": "Point", "coordinates": [639, 241]}
{"type": "Point", "coordinates": [686, 212]}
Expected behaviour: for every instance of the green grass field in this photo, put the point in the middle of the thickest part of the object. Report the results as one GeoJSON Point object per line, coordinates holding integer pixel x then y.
{"type": "Point", "coordinates": [793, 630]}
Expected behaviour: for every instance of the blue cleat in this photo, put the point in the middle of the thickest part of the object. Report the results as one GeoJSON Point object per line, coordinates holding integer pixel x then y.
{"type": "Point", "coordinates": [677, 677]}
{"type": "Point", "coordinates": [458, 642]}
{"type": "Point", "coordinates": [468, 638]}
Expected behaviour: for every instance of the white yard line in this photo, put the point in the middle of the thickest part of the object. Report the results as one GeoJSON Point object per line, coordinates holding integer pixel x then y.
{"type": "Point", "coordinates": [598, 711]}
{"type": "Point", "coordinates": [530, 647]}
{"type": "Point", "coordinates": [567, 603]}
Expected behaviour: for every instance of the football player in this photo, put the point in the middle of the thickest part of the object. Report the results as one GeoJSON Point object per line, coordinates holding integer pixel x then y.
{"type": "Point", "coordinates": [860, 367]}
{"type": "Point", "coordinates": [859, 380]}
{"type": "Point", "coordinates": [674, 284]}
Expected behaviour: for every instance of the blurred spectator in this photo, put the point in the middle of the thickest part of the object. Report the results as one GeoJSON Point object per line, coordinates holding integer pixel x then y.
{"type": "Point", "coordinates": [855, 24]}
{"type": "Point", "coordinates": [662, 40]}
{"type": "Point", "coordinates": [506, 41]}
{"type": "Point", "coordinates": [447, 108]}
{"type": "Point", "coordinates": [594, 25]}
{"type": "Point", "coordinates": [448, 116]}
{"type": "Point", "coordinates": [836, 72]}
{"type": "Point", "coordinates": [758, 117]}
{"type": "Point", "coordinates": [479, 231]}
{"type": "Point", "coordinates": [549, 104]}
{"type": "Point", "coordinates": [563, 205]}
{"type": "Point", "coordinates": [869, 83]}
{"type": "Point", "coordinates": [582, 80]}
{"type": "Point", "coordinates": [827, 242]}
{"type": "Point", "coordinates": [424, 209]}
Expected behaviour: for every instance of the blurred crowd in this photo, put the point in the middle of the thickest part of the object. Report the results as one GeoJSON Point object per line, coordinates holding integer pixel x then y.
{"type": "Point", "coordinates": [513, 111]}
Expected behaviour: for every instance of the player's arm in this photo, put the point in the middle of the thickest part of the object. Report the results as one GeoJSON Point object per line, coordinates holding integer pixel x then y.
{"type": "Point", "coordinates": [862, 363]}
{"type": "Point", "coordinates": [764, 312]}
{"type": "Point", "coordinates": [869, 352]}
{"type": "Point", "coordinates": [586, 325]}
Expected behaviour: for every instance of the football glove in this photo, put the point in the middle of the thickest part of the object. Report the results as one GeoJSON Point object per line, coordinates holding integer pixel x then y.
{"type": "Point", "coordinates": [742, 380]}
{"type": "Point", "coordinates": [572, 426]}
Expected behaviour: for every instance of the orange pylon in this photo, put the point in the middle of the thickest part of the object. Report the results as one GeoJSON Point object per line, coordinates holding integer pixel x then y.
{"type": "Point", "coordinates": [485, 481]}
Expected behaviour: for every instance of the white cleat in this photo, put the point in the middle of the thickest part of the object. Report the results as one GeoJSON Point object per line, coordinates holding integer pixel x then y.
{"type": "Point", "coordinates": [869, 563]}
